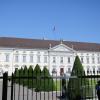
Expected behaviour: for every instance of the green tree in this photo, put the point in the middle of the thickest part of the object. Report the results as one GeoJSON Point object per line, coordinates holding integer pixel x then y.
{"type": "Point", "coordinates": [16, 74]}
{"type": "Point", "coordinates": [76, 85]}
{"type": "Point", "coordinates": [46, 82]}
{"type": "Point", "coordinates": [25, 74]}
{"type": "Point", "coordinates": [30, 71]}
{"type": "Point", "coordinates": [37, 74]}
{"type": "Point", "coordinates": [21, 74]}
{"type": "Point", "coordinates": [30, 75]}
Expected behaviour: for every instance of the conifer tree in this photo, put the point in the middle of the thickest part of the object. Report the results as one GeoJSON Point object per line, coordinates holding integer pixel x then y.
{"type": "Point", "coordinates": [37, 74]}
{"type": "Point", "coordinates": [75, 85]}
{"type": "Point", "coordinates": [46, 82]}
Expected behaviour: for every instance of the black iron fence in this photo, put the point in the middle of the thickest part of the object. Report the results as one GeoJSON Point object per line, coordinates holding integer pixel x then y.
{"type": "Point", "coordinates": [47, 88]}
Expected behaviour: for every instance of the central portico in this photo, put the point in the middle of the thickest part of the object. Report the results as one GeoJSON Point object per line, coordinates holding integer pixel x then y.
{"type": "Point", "coordinates": [61, 59]}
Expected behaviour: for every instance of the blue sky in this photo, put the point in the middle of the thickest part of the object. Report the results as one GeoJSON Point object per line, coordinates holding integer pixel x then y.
{"type": "Point", "coordinates": [75, 20]}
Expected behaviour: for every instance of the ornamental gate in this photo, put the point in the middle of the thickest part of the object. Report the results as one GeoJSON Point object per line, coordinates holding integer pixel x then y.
{"type": "Point", "coordinates": [12, 88]}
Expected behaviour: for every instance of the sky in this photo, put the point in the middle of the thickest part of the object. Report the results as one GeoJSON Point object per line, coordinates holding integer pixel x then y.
{"type": "Point", "coordinates": [71, 20]}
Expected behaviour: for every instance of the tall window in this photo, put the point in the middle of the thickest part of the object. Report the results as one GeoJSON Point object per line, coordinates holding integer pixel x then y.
{"type": "Point", "coordinates": [68, 59]}
{"type": "Point", "coordinates": [31, 58]}
{"type": "Point", "coordinates": [54, 59]}
{"type": "Point", "coordinates": [98, 70]}
{"type": "Point", "coordinates": [88, 70]}
{"type": "Point", "coordinates": [93, 70]}
{"type": "Point", "coordinates": [87, 60]}
{"type": "Point", "coordinates": [24, 58]}
{"type": "Point", "coordinates": [54, 71]}
{"type": "Point", "coordinates": [82, 60]}
{"type": "Point", "coordinates": [98, 60]}
{"type": "Point", "coordinates": [93, 60]}
{"type": "Point", "coordinates": [61, 59]}
{"type": "Point", "coordinates": [16, 58]}
{"type": "Point", "coordinates": [7, 58]}
{"type": "Point", "coordinates": [38, 58]}
{"type": "Point", "coordinates": [69, 70]}
{"type": "Point", "coordinates": [45, 59]}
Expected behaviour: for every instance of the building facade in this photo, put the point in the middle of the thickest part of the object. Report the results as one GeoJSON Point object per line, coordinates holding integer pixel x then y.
{"type": "Point", "coordinates": [57, 56]}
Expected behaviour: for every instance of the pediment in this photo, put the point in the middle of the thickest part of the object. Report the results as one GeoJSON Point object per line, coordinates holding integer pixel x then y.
{"type": "Point", "coordinates": [61, 47]}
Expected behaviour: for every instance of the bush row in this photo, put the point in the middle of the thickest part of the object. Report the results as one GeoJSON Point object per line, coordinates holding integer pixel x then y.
{"type": "Point", "coordinates": [37, 79]}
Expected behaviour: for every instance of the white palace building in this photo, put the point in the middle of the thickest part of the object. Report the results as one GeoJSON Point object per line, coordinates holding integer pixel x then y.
{"type": "Point", "coordinates": [58, 56]}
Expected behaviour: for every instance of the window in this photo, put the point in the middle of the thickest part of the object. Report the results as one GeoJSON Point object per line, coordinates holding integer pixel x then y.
{"type": "Point", "coordinates": [54, 71]}
{"type": "Point", "coordinates": [93, 60]}
{"type": "Point", "coordinates": [88, 70]}
{"type": "Point", "coordinates": [38, 59]}
{"type": "Point", "coordinates": [69, 70]}
{"type": "Point", "coordinates": [98, 60]}
{"type": "Point", "coordinates": [87, 54]}
{"type": "Point", "coordinates": [68, 59]}
{"type": "Point", "coordinates": [45, 59]}
{"type": "Point", "coordinates": [16, 51]}
{"type": "Point", "coordinates": [82, 60]}
{"type": "Point", "coordinates": [61, 59]}
{"type": "Point", "coordinates": [54, 59]}
{"type": "Point", "coordinates": [16, 58]}
{"type": "Point", "coordinates": [24, 58]}
{"type": "Point", "coordinates": [87, 60]}
{"type": "Point", "coordinates": [31, 58]}
{"type": "Point", "coordinates": [93, 70]}
{"type": "Point", "coordinates": [7, 58]}
{"type": "Point", "coordinates": [98, 70]}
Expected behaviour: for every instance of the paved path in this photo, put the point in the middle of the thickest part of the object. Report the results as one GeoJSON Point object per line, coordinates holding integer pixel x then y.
{"type": "Point", "coordinates": [22, 93]}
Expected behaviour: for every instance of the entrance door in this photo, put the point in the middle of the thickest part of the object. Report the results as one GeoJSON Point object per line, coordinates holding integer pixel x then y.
{"type": "Point", "coordinates": [61, 71]}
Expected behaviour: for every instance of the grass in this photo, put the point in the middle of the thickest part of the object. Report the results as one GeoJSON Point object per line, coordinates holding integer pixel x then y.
{"type": "Point", "coordinates": [58, 85]}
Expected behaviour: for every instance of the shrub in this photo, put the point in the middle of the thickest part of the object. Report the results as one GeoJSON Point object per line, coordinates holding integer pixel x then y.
{"type": "Point", "coordinates": [25, 74]}
{"type": "Point", "coordinates": [16, 74]}
{"type": "Point", "coordinates": [30, 75]}
{"type": "Point", "coordinates": [37, 74]}
{"type": "Point", "coordinates": [75, 85]}
{"type": "Point", "coordinates": [46, 82]}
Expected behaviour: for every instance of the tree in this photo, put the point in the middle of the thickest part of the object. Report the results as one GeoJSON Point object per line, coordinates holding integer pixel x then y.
{"type": "Point", "coordinates": [75, 85]}
{"type": "Point", "coordinates": [25, 74]}
{"type": "Point", "coordinates": [21, 75]}
{"type": "Point", "coordinates": [37, 71]}
{"type": "Point", "coordinates": [16, 74]}
{"type": "Point", "coordinates": [30, 75]}
{"type": "Point", "coordinates": [46, 82]}
{"type": "Point", "coordinates": [37, 74]}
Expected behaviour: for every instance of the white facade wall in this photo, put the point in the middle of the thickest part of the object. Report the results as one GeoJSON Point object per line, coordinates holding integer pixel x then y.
{"type": "Point", "coordinates": [58, 51]}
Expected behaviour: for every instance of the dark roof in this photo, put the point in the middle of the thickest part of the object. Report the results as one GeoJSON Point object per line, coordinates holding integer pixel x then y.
{"type": "Point", "coordinates": [44, 44]}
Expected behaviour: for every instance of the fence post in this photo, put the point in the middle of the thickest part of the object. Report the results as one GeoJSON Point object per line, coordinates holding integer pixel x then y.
{"type": "Point", "coordinates": [64, 89]}
{"type": "Point", "coordinates": [5, 84]}
{"type": "Point", "coordinates": [12, 82]}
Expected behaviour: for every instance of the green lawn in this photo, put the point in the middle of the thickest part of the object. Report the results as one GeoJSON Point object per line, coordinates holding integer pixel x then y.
{"type": "Point", "coordinates": [58, 85]}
